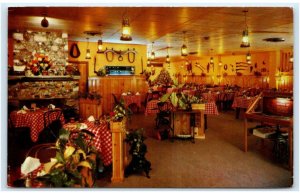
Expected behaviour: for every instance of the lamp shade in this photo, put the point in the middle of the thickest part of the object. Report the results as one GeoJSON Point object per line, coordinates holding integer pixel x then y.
{"type": "Point", "coordinates": [100, 46]}
{"type": "Point", "coordinates": [44, 22]}
{"type": "Point", "coordinates": [245, 39]}
{"type": "Point", "coordinates": [126, 30]}
{"type": "Point", "coordinates": [184, 51]}
{"type": "Point", "coordinates": [168, 59]}
{"type": "Point", "coordinates": [88, 54]}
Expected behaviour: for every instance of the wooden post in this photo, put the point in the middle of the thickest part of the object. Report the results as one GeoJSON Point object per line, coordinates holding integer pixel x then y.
{"type": "Point", "coordinates": [200, 133]}
{"type": "Point", "coordinates": [118, 150]}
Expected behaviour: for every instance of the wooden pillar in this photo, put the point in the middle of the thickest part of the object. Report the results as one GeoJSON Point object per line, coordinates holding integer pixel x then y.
{"type": "Point", "coordinates": [118, 150]}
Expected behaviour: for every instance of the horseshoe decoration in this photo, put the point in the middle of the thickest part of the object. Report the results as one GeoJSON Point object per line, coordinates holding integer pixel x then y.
{"type": "Point", "coordinates": [131, 53]}
{"type": "Point", "coordinates": [74, 51]}
{"type": "Point", "coordinates": [225, 67]}
{"type": "Point", "coordinates": [109, 54]}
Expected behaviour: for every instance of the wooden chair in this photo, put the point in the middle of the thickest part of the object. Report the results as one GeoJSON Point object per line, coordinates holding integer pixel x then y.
{"type": "Point", "coordinates": [52, 125]}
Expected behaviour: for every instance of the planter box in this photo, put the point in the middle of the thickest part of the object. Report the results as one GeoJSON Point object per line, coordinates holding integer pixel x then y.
{"type": "Point", "coordinates": [198, 106]}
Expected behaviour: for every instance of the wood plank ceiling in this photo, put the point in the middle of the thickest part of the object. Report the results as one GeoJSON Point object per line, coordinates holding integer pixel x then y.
{"type": "Point", "coordinates": [217, 28]}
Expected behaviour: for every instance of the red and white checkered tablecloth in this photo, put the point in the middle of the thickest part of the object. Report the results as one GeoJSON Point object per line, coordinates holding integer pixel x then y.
{"type": "Point", "coordinates": [210, 108]}
{"type": "Point", "coordinates": [242, 102]}
{"type": "Point", "coordinates": [132, 99]}
{"type": "Point", "coordinates": [102, 139]}
{"type": "Point", "coordinates": [32, 119]}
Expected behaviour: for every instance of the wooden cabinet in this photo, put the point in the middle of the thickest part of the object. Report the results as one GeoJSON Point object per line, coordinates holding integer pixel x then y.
{"type": "Point", "coordinates": [88, 107]}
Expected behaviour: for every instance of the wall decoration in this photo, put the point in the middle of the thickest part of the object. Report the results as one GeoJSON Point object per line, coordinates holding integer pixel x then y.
{"type": "Point", "coordinates": [40, 51]}
{"type": "Point", "coordinates": [110, 53]}
{"type": "Point", "coordinates": [74, 52]}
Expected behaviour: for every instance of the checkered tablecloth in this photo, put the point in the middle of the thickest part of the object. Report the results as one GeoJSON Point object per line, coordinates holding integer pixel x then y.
{"type": "Point", "coordinates": [102, 139]}
{"type": "Point", "coordinates": [132, 99]}
{"type": "Point", "coordinates": [210, 108]}
{"type": "Point", "coordinates": [242, 102]}
{"type": "Point", "coordinates": [32, 119]}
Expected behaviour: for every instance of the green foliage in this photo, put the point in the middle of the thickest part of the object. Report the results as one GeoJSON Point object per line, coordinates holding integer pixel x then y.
{"type": "Point", "coordinates": [74, 152]}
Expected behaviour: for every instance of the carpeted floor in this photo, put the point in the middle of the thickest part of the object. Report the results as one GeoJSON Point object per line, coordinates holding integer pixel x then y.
{"type": "Point", "coordinates": [216, 162]}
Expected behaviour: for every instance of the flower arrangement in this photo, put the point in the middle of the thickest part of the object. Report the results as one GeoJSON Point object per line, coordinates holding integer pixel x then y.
{"type": "Point", "coordinates": [75, 163]}
{"type": "Point", "coordinates": [40, 64]}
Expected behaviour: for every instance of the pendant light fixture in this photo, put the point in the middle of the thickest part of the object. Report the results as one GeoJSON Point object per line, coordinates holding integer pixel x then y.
{"type": "Point", "coordinates": [220, 61]}
{"type": "Point", "coordinates": [148, 58]}
{"type": "Point", "coordinates": [184, 50]}
{"type": "Point", "coordinates": [126, 30]}
{"type": "Point", "coordinates": [152, 56]}
{"type": "Point", "coordinates": [100, 44]}
{"type": "Point", "coordinates": [168, 57]}
{"type": "Point", "coordinates": [211, 60]}
{"type": "Point", "coordinates": [248, 57]}
{"type": "Point", "coordinates": [88, 52]}
{"type": "Point", "coordinates": [44, 22]}
{"type": "Point", "coordinates": [245, 39]}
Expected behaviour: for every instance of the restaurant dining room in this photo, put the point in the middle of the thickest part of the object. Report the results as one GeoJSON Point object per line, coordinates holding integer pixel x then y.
{"type": "Point", "coordinates": [150, 97]}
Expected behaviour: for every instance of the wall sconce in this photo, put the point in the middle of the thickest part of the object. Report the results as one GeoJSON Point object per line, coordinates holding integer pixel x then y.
{"type": "Point", "coordinates": [248, 58]}
{"type": "Point", "coordinates": [184, 51]}
{"type": "Point", "coordinates": [88, 52]}
{"type": "Point", "coordinates": [245, 39]}
{"type": "Point", "coordinates": [44, 22]}
{"type": "Point", "coordinates": [126, 30]}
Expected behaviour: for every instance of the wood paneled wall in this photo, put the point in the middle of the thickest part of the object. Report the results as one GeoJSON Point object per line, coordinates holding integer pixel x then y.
{"type": "Point", "coordinates": [108, 85]}
{"type": "Point", "coordinates": [89, 107]}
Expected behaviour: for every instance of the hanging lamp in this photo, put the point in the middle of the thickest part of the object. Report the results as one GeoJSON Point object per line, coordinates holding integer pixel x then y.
{"type": "Point", "coordinates": [126, 30]}
{"type": "Point", "coordinates": [152, 55]}
{"type": "Point", "coordinates": [220, 61]}
{"type": "Point", "coordinates": [248, 57]}
{"type": "Point", "coordinates": [168, 57]}
{"type": "Point", "coordinates": [44, 22]}
{"type": "Point", "coordinates": [211, 60]}
{"type": "Point", "coordinates": [245, 38]}
{"type": "Point", "coordinates": [88, 52]}
{"type": "Point", "coordinates": [184, 50]}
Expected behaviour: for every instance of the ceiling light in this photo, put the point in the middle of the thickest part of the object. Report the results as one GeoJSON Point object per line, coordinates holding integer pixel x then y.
{"type": "Point", "coordinates": [211, 60]}
{"type": "Point", "coordinates": [152, 55]}
{"type": "Point", "coordinates": [44, 22]}
{"type": "Point", "coordinates": [100, 46]}
{"type": "Point", "coordinates": [88, 52]}
{"type": "Point", "coordinates": [248, 58]}
{"type": "Point", "coordinates": [245, 40]}
{"type": "Point", "coordinates": [168, 57]}
{"type": "Point", "coordinates": [126, 30]}
{"type": "Point", "coordinates": [220, 61]}
{"type": "Point", "coordinates": [184, 50]}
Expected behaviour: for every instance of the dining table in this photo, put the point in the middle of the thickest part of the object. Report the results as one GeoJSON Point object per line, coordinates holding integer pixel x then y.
{"type": "Point", "coordinates": [242, 102]}
{"type": "Point", "coordinates": [152, 108]}
{"type": "Point", "coordinates": [102, 140]}
{"type": "Point", "coordinates": [33, 119]}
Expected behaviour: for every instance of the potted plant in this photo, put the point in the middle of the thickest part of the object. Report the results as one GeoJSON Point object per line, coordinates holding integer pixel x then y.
{"type": "Point", "coordinates": [75, 163]}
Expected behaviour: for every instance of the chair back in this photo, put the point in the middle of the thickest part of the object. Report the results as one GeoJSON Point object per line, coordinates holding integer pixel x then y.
{"type": "Point", "coordinates": [52, 125]}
